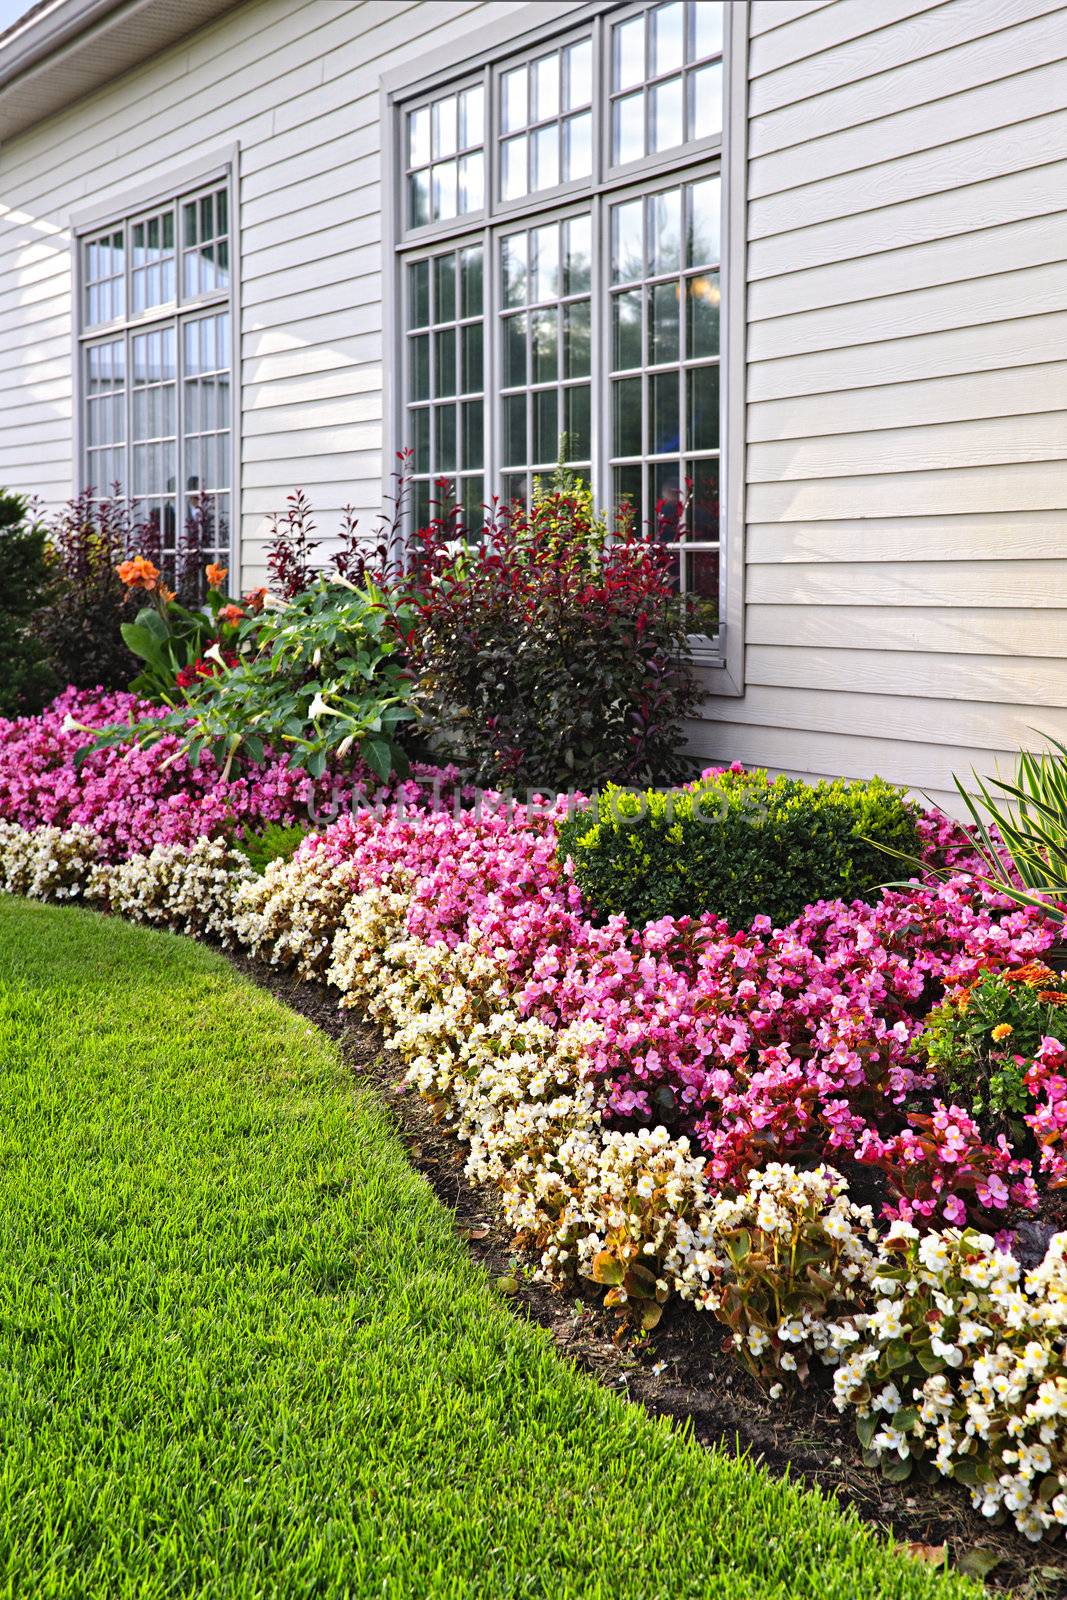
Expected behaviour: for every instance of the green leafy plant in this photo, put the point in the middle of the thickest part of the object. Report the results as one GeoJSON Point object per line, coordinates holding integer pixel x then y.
{"type": "Point", "coordinates": [80, 629]}
{"type": "Point", "coordinates": [275, 842]}
{"type": "Point", "coordinates": [27, 681]}
{"type": "Point", "coordinates": [171, 638]}
{"type": "Point", "coordinates": [322, 678]}
{"type": "Point", "coordinates": [736, 844]}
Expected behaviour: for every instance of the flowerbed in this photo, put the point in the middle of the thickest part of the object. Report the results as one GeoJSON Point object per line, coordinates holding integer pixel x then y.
{"type": "Point", "coordinates": [663, 1108]}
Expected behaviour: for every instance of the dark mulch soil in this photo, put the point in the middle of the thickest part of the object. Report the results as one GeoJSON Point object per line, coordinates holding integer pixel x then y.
{"type": "Point", "coordinates": [701, 1383]}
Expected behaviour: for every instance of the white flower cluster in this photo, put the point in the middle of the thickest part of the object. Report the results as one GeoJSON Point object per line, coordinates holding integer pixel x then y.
{"type": "Point", "coordinates": [47, 863]}
{"type": "Point", "coordinates": [963, 1362]}
{"type": "Point", "coordinates": [190, 888]}
{"type": "Point", "coordinates": [289, 914]}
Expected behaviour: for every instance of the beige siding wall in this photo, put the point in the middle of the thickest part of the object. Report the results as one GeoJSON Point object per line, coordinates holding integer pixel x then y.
{"type": "Point", "coordinates": [296, 83]}
{"type": "Point", "coordinates": [906, 536]}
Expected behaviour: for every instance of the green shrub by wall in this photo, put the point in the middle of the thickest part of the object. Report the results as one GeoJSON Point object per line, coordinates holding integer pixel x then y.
{"type": "Point", "coordinates": [737, 845]}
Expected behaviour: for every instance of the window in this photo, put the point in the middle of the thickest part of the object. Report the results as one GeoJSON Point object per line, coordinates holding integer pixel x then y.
{"type": "Point", "coordinates": [566, 300]}
{"type": "Point", "coordinates": [156, 397]}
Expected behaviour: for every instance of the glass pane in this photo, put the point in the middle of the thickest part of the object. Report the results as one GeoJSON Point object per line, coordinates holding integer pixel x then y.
{"type": "Point", "coordinates": [471, 182]}
{"type": "Point", "coordinates": [627, 248]}
{"type": "Point", "coordinates": [577, 251]}
{"type": "Point", "coordinates": [544, 262]}
{"type": "Point", "coordinates": [626, 411]}
{"type": "Point", "coordinates": [707, 28]}
{"type": "Point", "coordinates": [702, 408]}
{"type": "Point", "coordinates": [702, 315]}
{"type": "Point", "coordinates": [578, 75]}
{"type": "Point", "coordinates": [513, 487]}
{"type": "Point", "coordinates": [444, 420]}
{"type": "Point", "coordinates": [189, 222]}
{"type": "Point", "coordinates": [472, 361]}
{"type": "Point", "coordinates": [444, 288]}
{"type": "Point", "coordinates": [513, 100]}
{"type": "Point", "coordinates": [515, 270]}
{"type": "Point", "coordinates": [445, 127]}
{"type": "Point", "coordinates": [667, 231]}
{"type": "Point", "coordinates": [473, 503]}
{"type": "Point", "coordinates": [576, 424]}
{"type": "Point", "coordinates": [668, 38]}
{"type": "Point", "coordinates": [420, 367]}
{"type": "Point", "coordinates": [514, 350]}
{"type": "Point", "coordinates": [420, 439]}
{"type": "Point", "coordinates": [207, 218]}
{"type": "Point", "coordinates": [702, 243]}
{"type": "Point", "coordinates": [513, 168]}
{"type": "Point", "coordinates": [419, 199]}
{"type": "Point", "coordinates": [543, 332]}
{"type": "Point", "coordinates": [627, 489]}
{"type": "Point", "coordinates": [473, 445]}
{"type": "Point", "coordinates": [663, 323]}
{"type": "Point", "coordinates": [545, 86]}
{"type": "Point", "coordinates": [704, 508]}
{"type": "Point", "coordinates": [443, 186]}
{"type": "Point", "coordinates": [576, 339]}
{"type": "Point", "coordinates": [578, 147]}
{"type": "Point", "coordinates": [546, 157]}
{"type": "Point", "coordinates": [705, 102]}
{"type": "Point", "coordinates": [419, 294]}
{"type": "Point", "coordinates": [663, 399]}
{"type": "Point", "coordinates": [546, 427]}
{"type": "Point", "coordinates": [626, 330]}
{"type": "Point", "coordinates": [628, 54]}
{"type": "Point", "coordinates": [419, 137]}
{"type": "Point", "coordinates": [668, 498]}
{"type": "Point", "coordinates": [667, 128]}
{"type": "Point", "coordinates": [628, 129]}
{"type": "Point", "coordinates": [514, 430]}
{"type": "Point", "coordinates": [472, 117]}
{"type": "Point", "coordinates": [444, 377]}
{"type": "Point", "coordinates": [470, 268]}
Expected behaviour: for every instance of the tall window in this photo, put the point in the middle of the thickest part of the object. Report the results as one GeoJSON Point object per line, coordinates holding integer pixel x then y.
{"type": "Point", "coordinates": [559, 248]}
{"type": "Point", "coordinates": [156, 394]}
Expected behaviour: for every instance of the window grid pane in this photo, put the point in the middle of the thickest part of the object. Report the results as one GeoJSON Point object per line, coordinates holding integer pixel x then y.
{"type": "Point", "coordinates": [666, 78]}
{"type": "Point", "coordinates": [152, 268]}
{"type": "Point", "coordinates": [444, 157]}
{"type": "Point", "coordinates": [664, 365]}
{"type": "Point", "coordinates": [104, 267]}
{"type": "Point", "coordinates": [205, 245]}
{"type": "Point", "coordinates": [206, 438]}
{"type": "Point", "coordinates": [545, 333]}
{"type": "Point", "coordinates": [445, 385]}
{"type": "Point", "coordinates": [105, 416]}
{"type": "Point", "coordinates": [546, 121]}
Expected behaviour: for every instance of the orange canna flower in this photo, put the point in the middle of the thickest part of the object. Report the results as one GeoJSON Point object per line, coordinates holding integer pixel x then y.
{"type": "Point", "coordinates": [165, 594]}
{"type": "Point", "coordinates": [139, 573]}
{"type": "Point", "coordinates": [215, 574]}
{"type": "Point", "coordinates": [254, 601]}
{"type": "Point", "coordinates": [231, 613]}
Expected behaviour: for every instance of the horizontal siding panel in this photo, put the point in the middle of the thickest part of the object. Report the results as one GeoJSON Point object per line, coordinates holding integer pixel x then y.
{"type": "Point", "coordinates": [973, 724]}
{"type": "Point", "coordinates": [930, 31]}
{"type": "Point", "coordinates": [995, 154]}
{"type": "Point", "coordinates": [1042, 437]}
{"type": "Point", "coordinates": [1019, 98]}
{"type": "Point", "coordinates": [1028, 37]}
{"type": "Point", "coordinates": [304, 388]}
{"type": "Point", "coordinates": [991, 348]}
{"type": "Point", "coordinates": [327, 495]}
{"type": "Point", "coordinates": [310, 450]}
{"type": "Point", "coordinates": [981, 536]}
{"type": "Point", "coordinates": [993, 203]}
{"type": "Point", "coordinates": [1031, 486]}
{"type": "Point", "coordinates": [1040, 584]}
{"type": "Point", "coordinates": [922, 674]}
{"type": "Point", "coordinates": [999, 298]}
{"type": "Point", "coordinates": [358, 298]}
{"type": "Point", "coordinates": [951, 626]}
{"type": "Point", "coordinates": [322, 411]}
{"type": "Point", "coordinates": [824, 30]}
{"type": "Point", "coordinates": [1010, 392]}
{"type": "Point", "coordinates": [763, 15]}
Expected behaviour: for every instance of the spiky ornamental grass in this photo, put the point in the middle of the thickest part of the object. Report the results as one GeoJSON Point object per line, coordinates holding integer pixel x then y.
{"type": "Point", "coordinates": [242, 1352]}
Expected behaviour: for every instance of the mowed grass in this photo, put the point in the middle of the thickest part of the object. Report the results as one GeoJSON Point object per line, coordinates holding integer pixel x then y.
{"type": "Point", "coordinates": [243, 1354]}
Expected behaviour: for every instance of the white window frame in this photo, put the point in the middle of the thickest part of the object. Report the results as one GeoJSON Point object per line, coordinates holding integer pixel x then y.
{"type": "Point", "coordinates": [122, 210]}
{"type": "Point", "coordinates": [500, 47]}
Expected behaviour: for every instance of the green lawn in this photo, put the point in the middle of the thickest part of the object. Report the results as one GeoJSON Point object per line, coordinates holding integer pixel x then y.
{"type": "Point", "coordinates": [243, 1354]}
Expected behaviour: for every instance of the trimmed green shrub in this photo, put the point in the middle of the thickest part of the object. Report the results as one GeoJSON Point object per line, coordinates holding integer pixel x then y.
{"type": "Point", "coordinates": [27, 682]}
{"type": "Point", "coordinates": [736, 844]}
{"type": "Point", "coordinates": [275, 842]}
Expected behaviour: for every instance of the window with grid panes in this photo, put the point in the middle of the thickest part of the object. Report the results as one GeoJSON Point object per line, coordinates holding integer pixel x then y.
{"type": "Point", "coordinates": [593, 236]}
{"type": "Point", "coordinates": [156, 393]}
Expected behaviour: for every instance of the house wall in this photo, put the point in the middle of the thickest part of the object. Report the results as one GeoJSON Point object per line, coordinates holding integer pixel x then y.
{"type": "Point", "coordinates": [906, 577]}
{"type": "Point", "coordinates": [906, 433]}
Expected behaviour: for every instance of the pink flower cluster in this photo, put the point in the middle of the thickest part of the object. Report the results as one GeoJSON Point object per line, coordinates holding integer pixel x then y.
{"type": "Point", "coordinates": [1046, 1080]}
{"type": "Point", "coordinates": [135, 798]}
{"type": "Point", "coordinates": [763, 1044]}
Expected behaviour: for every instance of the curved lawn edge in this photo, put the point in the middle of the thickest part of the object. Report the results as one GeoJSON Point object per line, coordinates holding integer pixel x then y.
{"type": "Point", "coordinates": [244, 1353]}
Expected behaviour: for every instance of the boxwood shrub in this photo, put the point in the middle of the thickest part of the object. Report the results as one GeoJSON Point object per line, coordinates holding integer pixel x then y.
{"type": "Point", "coordinates": [737, 844]}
